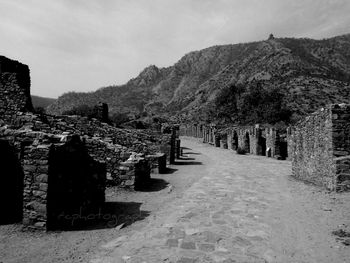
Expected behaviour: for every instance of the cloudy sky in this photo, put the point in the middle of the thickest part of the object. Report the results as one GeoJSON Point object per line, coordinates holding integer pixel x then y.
{"type": "Point", "coordinates": [81, 45]}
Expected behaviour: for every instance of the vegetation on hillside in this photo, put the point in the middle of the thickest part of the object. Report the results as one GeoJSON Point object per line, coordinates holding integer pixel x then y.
{"type": "Point", "coordinates": [295, 76]}
{"type": "Point", "coordinates": [250, 104]}
{"type": "Point", "coordinates": [41, 102]}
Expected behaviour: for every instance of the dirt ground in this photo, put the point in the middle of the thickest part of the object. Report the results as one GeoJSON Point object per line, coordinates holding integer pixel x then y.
{"type": "Point", "coordinates": [212, 206]}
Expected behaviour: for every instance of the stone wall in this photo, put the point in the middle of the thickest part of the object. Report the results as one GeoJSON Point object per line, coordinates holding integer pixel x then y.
{"type": "Point", "coordinates": [320, 147]}
{"type": "Point", "coordinates": [277, 143]}
{"type": "Point", "coordinates": [59, 163]}
{"type": "Point", "coordinates": [257, 139]}
{"type": "Point", "coordinates": [60, 180]}
{"type": "Point", "coordinates": [14, 89]}
{"type": "Point", "coordinates": [110, 154]}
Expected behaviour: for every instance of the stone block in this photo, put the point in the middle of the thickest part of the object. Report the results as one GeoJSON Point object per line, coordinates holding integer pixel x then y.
{"type": "Point", "coordinates": [42, 178]}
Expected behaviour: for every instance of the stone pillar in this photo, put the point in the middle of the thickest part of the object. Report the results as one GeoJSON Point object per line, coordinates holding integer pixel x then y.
{"type": "Point", "coordinates": [36, 174]}
{"type": "Point", "coordinates": [204, 133]}
{"type": "Point", "coordinates": [229, 140]}
{"type": "Point", "coordinates": [173, 146]}
{"type": "Point", "coordinates": [178, 148]}
{"type": "Point", "coordinates": [210, 135]}
{"type": "Point", "coordinates": [102, 112]}
{"type": "Point", "coordinates": [200, 131]}
{"type": "Point", "coordinates": [162, 164]}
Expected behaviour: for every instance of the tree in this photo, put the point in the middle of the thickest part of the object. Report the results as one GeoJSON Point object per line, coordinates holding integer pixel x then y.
{"type": "Point", "coordinates": [250, 104]}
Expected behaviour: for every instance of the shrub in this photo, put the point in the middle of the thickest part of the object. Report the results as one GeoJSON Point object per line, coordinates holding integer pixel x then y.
{"type": "Point", "coordinates": [82, 110]}
{"type": "Point", "coordinates": [119, 118]}
{"type": "Point", "coordinates": [241, 151]}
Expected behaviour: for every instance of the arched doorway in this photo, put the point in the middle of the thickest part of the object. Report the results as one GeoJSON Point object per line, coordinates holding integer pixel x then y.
{"type": "Point", "coordinates": [283, 149]}
{"type": "Point", "coordinates": [247, 142]}
{"type": "Point", "coordinates": [261, 145]}
{"type": "Point", "coordinates": [11, 185]}
{"type": "Point", "coordinates": [235, 141]}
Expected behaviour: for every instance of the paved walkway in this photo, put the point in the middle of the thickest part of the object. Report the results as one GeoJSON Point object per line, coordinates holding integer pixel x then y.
{"type": "Point", "coordinates": [242, 209]}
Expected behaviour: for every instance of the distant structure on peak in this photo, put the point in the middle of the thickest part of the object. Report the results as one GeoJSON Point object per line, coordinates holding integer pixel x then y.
{"type": "Point", "coordinates": [271, 37]}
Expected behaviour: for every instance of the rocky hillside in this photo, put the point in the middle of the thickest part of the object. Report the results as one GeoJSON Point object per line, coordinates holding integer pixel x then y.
{"type": "Point", "coordinates": [42, 102]}
{"type": "Point", "coordinates": [311, 73]}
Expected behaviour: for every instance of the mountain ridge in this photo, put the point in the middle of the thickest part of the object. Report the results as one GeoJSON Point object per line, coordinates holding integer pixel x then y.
{"type": "Point", "coordinates": [188, 86]}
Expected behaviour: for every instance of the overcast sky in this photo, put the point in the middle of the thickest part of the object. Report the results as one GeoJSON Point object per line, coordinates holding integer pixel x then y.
{"type": "Point", "coordinates": [82, 45]}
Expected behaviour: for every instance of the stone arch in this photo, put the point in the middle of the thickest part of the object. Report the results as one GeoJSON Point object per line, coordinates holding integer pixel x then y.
{"type": "Point", "coordinates": [11, 185]}
{"type": "Point", "coordinates": [247, 142]}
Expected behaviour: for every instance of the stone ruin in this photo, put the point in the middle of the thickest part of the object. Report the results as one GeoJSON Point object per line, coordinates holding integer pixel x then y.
{"type": "Point", "coordinates": [59, 166]}
{"type": "Point", "coordinates": [320, 147]}
{"type": "Point", "coordinates": [257, 139]}
{"type": "Point", "coordinates": [14, 88]}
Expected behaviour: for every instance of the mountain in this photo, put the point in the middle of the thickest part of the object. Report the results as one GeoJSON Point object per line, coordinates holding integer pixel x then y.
{"type": "Point", "coordinates": [310, 73]}
{"type": "Point", "coordinates": [41, 101]}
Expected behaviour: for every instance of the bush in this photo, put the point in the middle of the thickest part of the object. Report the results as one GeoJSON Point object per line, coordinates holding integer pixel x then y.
{"type": "Point", "coordinates": [82, 110]}
{"type": "Point", "coordinates": [241, 151]}
{"type": "Point", "coordinates": [119, 118]}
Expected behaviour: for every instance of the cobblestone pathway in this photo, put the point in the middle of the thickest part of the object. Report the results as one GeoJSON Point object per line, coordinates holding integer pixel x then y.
{"type": "Point", "coordinates": [232, 214]}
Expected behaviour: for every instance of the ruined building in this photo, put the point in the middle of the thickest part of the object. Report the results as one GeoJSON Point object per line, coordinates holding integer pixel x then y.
{"type": "Point", "coordinates": [56, 166]}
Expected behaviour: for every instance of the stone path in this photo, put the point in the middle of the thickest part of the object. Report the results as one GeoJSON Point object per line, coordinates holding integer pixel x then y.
{"type": "Point", "coordinates": [241, 210]}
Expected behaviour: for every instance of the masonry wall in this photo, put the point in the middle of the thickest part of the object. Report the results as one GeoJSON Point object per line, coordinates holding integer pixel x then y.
{"type": "Point", "coordinates": [14, 88]}
{"type": "Point", "coordinates": [242, 139]}
{"type": "Point", "coordinates": [110, 154]}
{"type": "Point", "coordinates": [341, 144]}
{"type": "Point", "coordinates": [60, 180]}
{"type": "Point", "coordinates": [312, 149]}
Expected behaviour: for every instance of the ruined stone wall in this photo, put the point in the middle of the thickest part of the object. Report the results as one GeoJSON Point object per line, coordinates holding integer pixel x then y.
{"type": "Point", "coordinates": [312, 149]}
{"type": "Point", "coordinates": [14, 89]}
{"type": "Point", "coordinates": [104, 142]}
{"type": "Point", "coordinates": [60, 179]}
{"type": "Point", "coordinates": [243, 134]}
{"type": "Point", "coordinates": [134, 140]}
{"type": "Point", "coordinates": [110, 154]}
{"type": "Point", "coordinates": [341, 144]}
{"type": "Point", "coordinates": [341, 130]}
